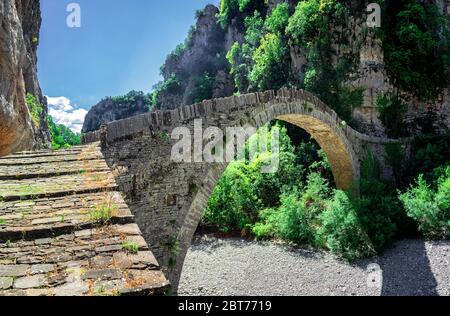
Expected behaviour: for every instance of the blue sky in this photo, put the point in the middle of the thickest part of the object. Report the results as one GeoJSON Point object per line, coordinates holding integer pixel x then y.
{"type": "Point", "coordinates": [119, 47]}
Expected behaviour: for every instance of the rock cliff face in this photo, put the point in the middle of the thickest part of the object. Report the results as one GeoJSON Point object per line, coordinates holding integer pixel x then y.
{"type": "Point", "coordinates": [203, 52]}
{"type": "Point", "coordinates": [112, 109]}
{"type": "Point", "coordinates": [20, 21]}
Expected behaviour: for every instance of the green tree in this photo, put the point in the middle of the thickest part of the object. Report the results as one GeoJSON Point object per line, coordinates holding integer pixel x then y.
{"type": "Point", "coordinates": [62, 136]}
{"type": "Point", "coordinates": [269, 70]}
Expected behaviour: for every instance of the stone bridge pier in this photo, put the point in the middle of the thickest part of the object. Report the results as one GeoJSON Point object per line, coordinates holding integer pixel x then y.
{"type": "Point", "coordinates": [167, 198]}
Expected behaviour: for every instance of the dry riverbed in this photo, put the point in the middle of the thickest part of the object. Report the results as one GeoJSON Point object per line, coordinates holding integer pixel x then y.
{"type": "Point", "coordinates": [235, 266]}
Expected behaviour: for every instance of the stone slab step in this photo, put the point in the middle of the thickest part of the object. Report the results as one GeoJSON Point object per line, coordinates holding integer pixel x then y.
{"type": "Point", "coordinates": [34, 219]}
{"type": "Point", "coordinates": [50, 169]}
{"type": "Point", "coordinates": [31, 189]}
{"type": "Point", "coordinates": [27, 160]}
{"type": "Point", "coordinates": [76, 150]}
{"type": "Point", "coordinates": [85, 263]}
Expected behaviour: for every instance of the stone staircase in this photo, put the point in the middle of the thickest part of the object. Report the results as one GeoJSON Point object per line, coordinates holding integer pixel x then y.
{"type": "Point", "coordinates": [66, 230]}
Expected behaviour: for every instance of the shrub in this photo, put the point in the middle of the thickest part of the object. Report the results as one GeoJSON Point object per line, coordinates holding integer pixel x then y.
{"type": "Point", "coordinates": [379, 210]}
{"type": "Point", "coordinates": [35, 109]}
{"type": "Point", "coordinates": [429, 205]}
{"type": "Point", "coordinates": [429, 153]}
{"type": "Point", "coordinates": [341, 230]}
{"type": "Point", "coordinates": [292, 220]}
{"type": "Point", "coordinates": [203, 88]}
{"type": "Point", "coordinates": [233, 203]}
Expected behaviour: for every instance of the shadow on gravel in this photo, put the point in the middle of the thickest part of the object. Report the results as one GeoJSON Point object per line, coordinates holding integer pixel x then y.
{"type": "Point", "coordinates": [407, 271]}
{"type": "Point", "coordinates": [210, 243]}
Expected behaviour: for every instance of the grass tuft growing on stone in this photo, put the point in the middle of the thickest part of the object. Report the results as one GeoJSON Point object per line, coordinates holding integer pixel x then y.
{"type": "Point", "coordinates": [130, 247]}
{"type": "Point", "coordinates": [103, 212]}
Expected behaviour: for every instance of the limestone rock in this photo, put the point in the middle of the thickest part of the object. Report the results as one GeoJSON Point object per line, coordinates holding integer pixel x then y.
{"type": "Point", "coordinates": [109, 110]}
{"type": "Point", "coordinates": [19, 39]}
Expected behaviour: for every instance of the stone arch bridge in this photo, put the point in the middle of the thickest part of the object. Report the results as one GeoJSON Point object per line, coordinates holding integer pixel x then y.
{"type": "Point", "coordinates": [68, 218]}
{"type": "Point", "coordinates": [168, 198]}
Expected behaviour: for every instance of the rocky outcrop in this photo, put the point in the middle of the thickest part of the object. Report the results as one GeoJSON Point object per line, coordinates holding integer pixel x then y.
{"type": "Point", "coordinates": [113, 109]}
{"type": "Point", "coordinates": [20, 22]}
{"type": "Point", "coordinates": [204, 52]}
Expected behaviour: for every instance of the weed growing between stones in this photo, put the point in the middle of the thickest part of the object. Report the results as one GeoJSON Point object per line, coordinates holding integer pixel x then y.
{"type": "Point", "coordinates": [130, 247]}
{"type": "Point", "coordinates": [103, 212]}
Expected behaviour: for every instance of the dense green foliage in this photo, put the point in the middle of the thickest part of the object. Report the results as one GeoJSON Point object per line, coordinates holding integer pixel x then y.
{"type": "Point", "coordinates": [238, 9]}
{"type": "Point", "coordinates": [341, 230]}
{"type": "Point", "coordinates": [416, 46]}
{"type": "Point", "coordinates": [262, 60]}
{"type": "Point", "coordinates": [415, 42]}
{"type": "Point", "coordinates": [203, 88]}
{"type": "Point", "coordinates": [429, 204]}
{"type": "Point", "coordinates": [62, 136]}
{"type": "Point", "coordinates": [391, 110]}
{"type": "Point", "coordinates": [35, 109]}
{"type": "Point", "coordinates": [429, 153]}
{"type": "Point", "coordinates": [132, 98]}
{"type": "Point", "coordinates": [299, 205]}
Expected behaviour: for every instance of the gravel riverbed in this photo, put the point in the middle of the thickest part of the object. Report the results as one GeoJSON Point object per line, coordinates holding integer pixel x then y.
{"type": "Point", "coordinates": [234, 266]}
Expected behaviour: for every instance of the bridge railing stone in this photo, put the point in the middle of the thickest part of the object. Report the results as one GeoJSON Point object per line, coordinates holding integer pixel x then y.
{"type": "Point", "coordinates": [168, 119]}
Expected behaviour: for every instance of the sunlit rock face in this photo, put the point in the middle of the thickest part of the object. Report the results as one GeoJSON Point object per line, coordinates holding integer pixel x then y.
{"type": "Point", "coordinates": [20, 22]}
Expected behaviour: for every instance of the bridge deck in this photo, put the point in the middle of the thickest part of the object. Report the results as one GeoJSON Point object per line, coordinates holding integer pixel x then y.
{"type": "Point", "coordinates": [66, 230]}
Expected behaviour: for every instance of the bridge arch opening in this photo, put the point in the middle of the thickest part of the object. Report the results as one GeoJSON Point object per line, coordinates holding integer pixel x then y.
{"type": "Point", "coordinates": [341, 157]}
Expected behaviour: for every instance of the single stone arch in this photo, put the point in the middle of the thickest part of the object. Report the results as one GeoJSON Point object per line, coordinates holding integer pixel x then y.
{"type": "Point", "coordinates": [323, 127]}
{"type": "Point", "coordinates": [158, 190]}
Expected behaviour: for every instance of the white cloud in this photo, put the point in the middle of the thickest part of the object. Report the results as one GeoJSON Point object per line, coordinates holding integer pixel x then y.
{"type": "Point", "coordinates": [63, 112]}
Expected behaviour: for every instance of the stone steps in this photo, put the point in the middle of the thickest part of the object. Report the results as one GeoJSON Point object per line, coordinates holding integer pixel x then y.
{"type": "Point", "coordinates": [56, 186]}
{"type": "Point", "coordinates": [66, 230]}
{"type": "Point", "coordinates": [86, 262]}
{"type": "Point", "coordinates": [53, 216]}
{"type": "Point", "coordinates": [49, 159]}
{"type": "Point", "coordinates": [50, 169]}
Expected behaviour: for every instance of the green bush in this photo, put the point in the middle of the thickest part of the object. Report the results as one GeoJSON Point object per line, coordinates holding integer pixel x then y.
{"type": "Point", "coordinates": [292, 221]}
{"type": "Point", "coordinates": [378, 207]}
{"type": "Point", "coordinates": [243, 190]}
{"type": "Point", "coordinates": [233, 205]}
{"type": "Point", "coordinates": [203, 88]}
{"type": "Point", "coordinates": [429, 205]}
{"type": "Point", "coordinates": [341, 230]}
